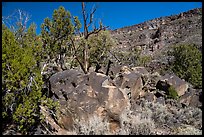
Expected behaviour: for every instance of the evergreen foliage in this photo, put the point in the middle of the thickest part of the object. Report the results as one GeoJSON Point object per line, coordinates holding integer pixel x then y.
{"type": "Point", "coordinates": [144, 60]}
{"type": "Point", "coordinates": [100, 46]}
{"type": "Point", "coordinates": [172, 93]}
{"type": "Point", "coordinates": [187, 63]}
{"type": "Point", "coordinates": [55, 35]}
{"type": "Point", "coordinates": [130, 58]}
{"type": "Point", "coordinates": [21, 81]}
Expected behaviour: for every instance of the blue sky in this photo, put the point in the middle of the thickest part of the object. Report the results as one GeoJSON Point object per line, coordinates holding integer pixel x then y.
{"type": "Point", "coordinates": [113, 14]}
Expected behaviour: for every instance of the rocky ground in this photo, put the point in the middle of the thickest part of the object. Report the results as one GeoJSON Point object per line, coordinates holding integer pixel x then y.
{"type": "Point", "coordinates": [130, 101]}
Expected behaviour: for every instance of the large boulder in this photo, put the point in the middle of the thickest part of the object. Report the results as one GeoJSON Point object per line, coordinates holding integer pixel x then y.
{"type": "Point", "coordinates": [130, 80]}
{"type": "Point", "coordinates": [171, 79]}
{"type": "Point", "coordinates": [195, 101]}
{"type": "Point", "coordinates": [64, 81]}
{"type": "Point", "coordinates": [84, 95]}
{"type": "Point", "coordinates": [186, 98]}
{"type": "Point", "coordinates": [113, 99]}
{"type": "Point", "coordinates": [191, 98]}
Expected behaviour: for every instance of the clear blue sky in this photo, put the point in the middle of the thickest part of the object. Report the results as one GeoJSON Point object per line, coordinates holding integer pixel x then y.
{"type": "Point", "coordinates": [113, 14]}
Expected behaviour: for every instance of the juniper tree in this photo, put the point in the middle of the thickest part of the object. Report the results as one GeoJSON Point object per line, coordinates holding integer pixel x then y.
{"type": "Point", "coordinates": [21, 83]}
{"type": "Point", "coordinates": [100, 46]}
{"type": "Point", "coordinates": [86, 34]}
{"type": "Point", "coordinates": [56, 33]}
{"type": "Point", "coordinates": [62, 37]}
{"type": "Point", "coordinates": [187, 63]}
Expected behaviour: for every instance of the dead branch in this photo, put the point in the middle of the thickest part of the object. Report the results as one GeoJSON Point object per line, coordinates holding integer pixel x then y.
{"type": "Point", "coordinates": [96, 31]}
{"type": "Point", "coordinates": [87, 34]}
{"type": "Point", "coordinates": [18, 18]}
{"type": "Point", "coordinates": [114, 56]}
{"type": "Point", "coordinates": [85, 17]}
{"type": "Point", "coordinates": [76, 57]}
{"type": "Point", "coordinates": [91, 16]}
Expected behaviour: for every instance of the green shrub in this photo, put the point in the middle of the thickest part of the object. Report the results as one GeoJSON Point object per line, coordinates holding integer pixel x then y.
{"type": "Point", "coordinates": [144, 60]}
{"type": "Point", "coordinates": [56, 32]}
{"type": "Point", "coordinates": [130, 57]}
{"type": "Point", "coordinates": [133, 57]}
{"type": "Point", "coordinates": [187, 64]}
{"type": "Point", "coordinates": [21, 83]}
{"type": "Point", "coordinates": [100, 46]}
{"type": "Point", "coordinates": [172, 93]}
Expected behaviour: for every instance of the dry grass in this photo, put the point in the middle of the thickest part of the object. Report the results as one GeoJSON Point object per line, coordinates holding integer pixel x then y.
{"type": "Point", "coordinates": [136, 123]}
{"type": "Point", "coordinates": [94, 126]}
{"type": "Point", "coordinates": [130, 125]}
{"type": "Point", "coordinates": [147, 119]}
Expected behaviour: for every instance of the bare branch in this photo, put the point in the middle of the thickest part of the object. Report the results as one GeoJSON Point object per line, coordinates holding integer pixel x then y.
{"type": "Point", "coordinates": [114, 56]}
{"type": "Point", "coordinates": [85, 19]}
{"type": "Point", "coordinates": [96, 31]}
{"type": "Point", "coordinates": [76, 57]}
{"type": "Point", "coordinates": [20, 15]}
{"type": "Point", "coordinates": [86, 35]}
{"type": "Point", "coordinates": [16, 19]}
{"type": "Point", "coordinates": [86, 16]}
{"type": "Point", "coordinates": [27, 18]}
{"type": "Point", "coordinates": [84, 12]}
{"type": "Point", "coordinates": [91, 16]}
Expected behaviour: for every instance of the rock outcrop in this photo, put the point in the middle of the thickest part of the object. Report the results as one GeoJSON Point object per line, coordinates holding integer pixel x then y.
{"type": "Point", "coordinates": [84, 96]}
{"type": "Point", "coordinates": [172, 80]}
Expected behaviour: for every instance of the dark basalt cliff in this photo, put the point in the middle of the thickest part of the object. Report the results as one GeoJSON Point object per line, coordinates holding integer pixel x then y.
{"type": "Point", "coordinates": [158, 34]}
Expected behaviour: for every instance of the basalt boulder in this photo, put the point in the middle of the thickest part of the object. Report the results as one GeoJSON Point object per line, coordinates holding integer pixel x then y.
{"type": "Point", "coordinates": [83, 95]}
{"type": "Point", "coordinates": [180, 85]}
{"type": "Point", "coordinates": [132, 81]}
{"type": "Point", "coordinates": [191, 98]}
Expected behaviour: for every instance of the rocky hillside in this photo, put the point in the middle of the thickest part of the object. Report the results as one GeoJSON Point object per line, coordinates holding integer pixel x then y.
{"type": "Point", "coordinates": [158, 34]}
{"type": "Point", "coordinates": [132, 102]}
